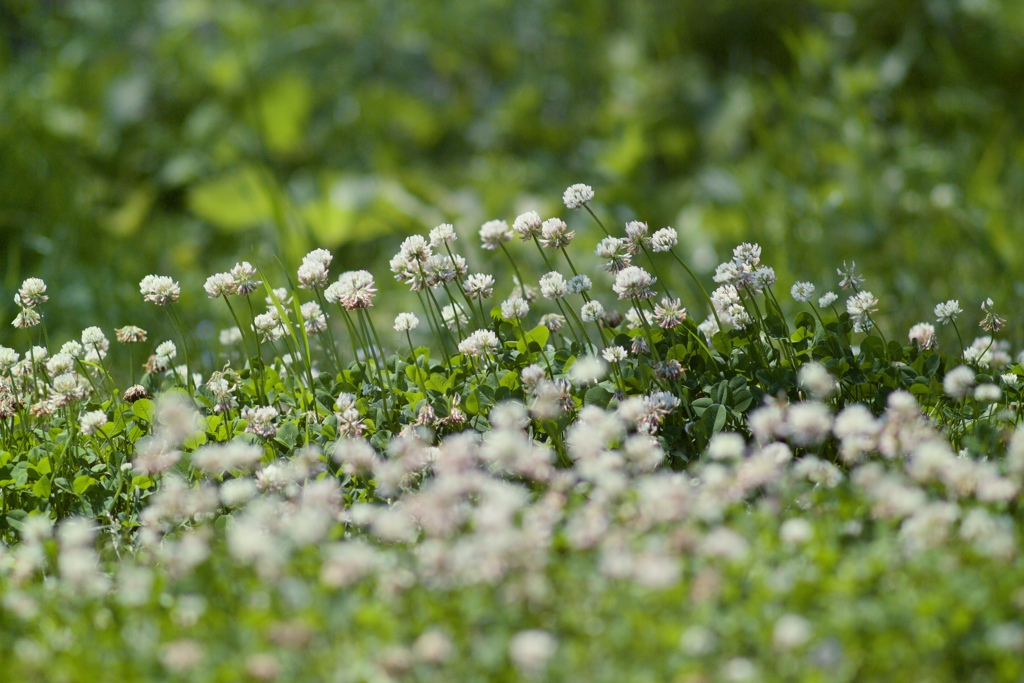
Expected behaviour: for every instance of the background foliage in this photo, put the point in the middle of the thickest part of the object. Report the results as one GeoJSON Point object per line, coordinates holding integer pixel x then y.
{"type": "Point", "coordinates": [178, 136]}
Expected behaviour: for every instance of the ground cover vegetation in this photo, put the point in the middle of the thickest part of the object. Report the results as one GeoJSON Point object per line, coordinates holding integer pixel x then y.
{"type": "Point", "coordinates": [574, 477]}
{"type": "Point", "coordinates": [309, 372]}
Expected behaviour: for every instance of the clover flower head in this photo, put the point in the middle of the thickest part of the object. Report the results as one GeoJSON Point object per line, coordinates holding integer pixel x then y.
{"type": "Point", "coordinates": [453, 316]}
{"type": "Point", "coordinates": [553, 286]}
{"type": "Point", "coordinates": [514, 308]}
{"type": "Point", "coordinates": [73, 348]}
{"type": "Point", "coordinates": [479, 344]}
{"type": "Point", "coordinates": [614, 354]}
{"type": "Point", "coordinates": [312, 275]}
{"type": "Point", "coordinates": [669, 313]}
{"type": "Point", "coordinates": [323, 256]}
{"type": "Point", "coordinates": [220, 284]}
{"type": "Point", "coordinates": [159, 289]}
{"type": "Point", "coordinates": [850, 279]}
{"type": "Point", "coordinates": [579, 284]}
{"type": "Point", "coordinates": [442, 234]}
{"type": "Point", "coordinates": [479, 286]}
{"type": "Point", "coordinates": [313, 318]}
{"type": "Point", "coordinates": [827, 299]}
{"type": "Point", "coordinates": [27, 317]}
{"type": "Point", "coordinates": [923, 334]}
{"type": "Point", "coordinates": [591, 311]}
{"type": "Point", "coordinates": [527, 225]}
{"type": "Point", "coordinates": [576, 196]}
{"type": "Point", "coordinates": [633, 282]}
{"type": "Point", "coordinates": [802, 291]}
{"type": "Point", "coordinates": [555, 234]}
{"type": "Point", "coordinates": [244, 274]}
{"type": "Point", "coordinates": [493, 233]}
{"type": "Point", "coordinates": [947, 311]}
{"type": "Point", "coordinates": [32, 293]}
{"type": "Point", "coordinates": [353, 290]}
{"type": "Point", "coordinates": [614, 251]}
{"type": "Point", "coordinates": [405, 322]}
{"type": "Point", "coordinates": [664, 240]}
{"type": "Point", "coordinates": [92, 421]}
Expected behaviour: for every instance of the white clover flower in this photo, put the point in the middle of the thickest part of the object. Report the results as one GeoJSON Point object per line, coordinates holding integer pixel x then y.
{"type": "Point", "coordinates": [312, 275]}
{"type": "Point", "coordinates": [923, 334]}
{"type": "Point", "coordinates": [8, 358]}
{"type": "Point", "coordinates": [27, 317]}
{"type": "Point", "coordinates": [527, 225]}
{"type": "Point", "coordinates": [988, 392]}
{"type": "Point", "coordinates": [948, 311]}
{"type": "Point", "coordinates": [59, 364]}
{"type": "Point", "coordinates": [709, 328]}
{"type": "Point", "coordinates": [802, 291]}
{"type": "Point", "coordinates": [591, 311]}
{"type": "Point", "coordinates": [72, 348]}
{"type": "Point", "coordinates": [553, 286]}
{"type": "Point", "coordinates": [860, 306]}
{"type": "Point", "coordinates": [453, 316]}
{"type": "Point", "coordinates": [92, 421]}
{"type": "Point", "coordinates": [728, 273]}
{"type": "Point", "coordinates": [762, 278]}
{"type": "Point", "coordinates": [32, 293]}
{"type": "Point", "coordinates": [815, 378]}
{"type": "Point", "coordinates": [614, 354]}
{"type": "Point", "coordinates": [579, 284]}
{"type": "Point", "coordinates": [1009, 379]}
{"type": "Point", "coordinates": [663, 240]}
{"type": "Point", "coordinates": [479, 344]}
{"type": "Point", "coordinates": [442, 234]}
{"type": "Point", "coordinates": [850, 279]}
{"type": "Point", "coordinates": [404, 322]}
{"type": "Point", "coordinates": [669, 313]}
{"type": "Point", "coordinates": [95, 343]}
{"type": "Point", "coordinates": [726, 446]}
{"type": "Point", "coordinates": [555, 234]}
{"type": "Point", "coordinates": [613, 250]}
{"type": "Point", "coordinates": [636, 236]}
{"type": "Point", "coordinates": [244, 274]}
{"type": "Point", "coordinates": [514, 308]}
{"type": "Point", "coordinates": [159, 289]}
{"type": "Point", "coordinates": [576, 196]}
{"type": "Point", "coordinates": [261, 421]}
{"type": "Point", "coordinates": [493, 233]}
{"type": "Point", "coordinates": [479, 286]}
{"type": "Point", "coordinates": [633, 282]}
{"type": "Point", "coordinates": [322, 256]}
{"type": "Point", "coordinates": [167, 351]}
{"type": "Point", "coordinates": [827, 299]}
{"type": "Point", "coordinates": [747, 254]}
{"type": "Point", "coordinates": [729, 306]}
{"type": "Point", "coordinates": [220, 284]}
{"type": "Point", "coordinates": [588, 370]}
{"type": "Point", "coordinates": [313, 317]}
{"type": "Point", "coordinates": [958, 381]}
{"type": "Point", "coordinates": [353, 290]}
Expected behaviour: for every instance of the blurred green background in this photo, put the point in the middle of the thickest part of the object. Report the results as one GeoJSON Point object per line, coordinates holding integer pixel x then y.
{"type": "Point", "coordinates": [178, 136]}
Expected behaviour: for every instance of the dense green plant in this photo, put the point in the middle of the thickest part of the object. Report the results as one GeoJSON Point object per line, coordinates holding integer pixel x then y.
{"type": "Point", "coordinates": [545, 487]}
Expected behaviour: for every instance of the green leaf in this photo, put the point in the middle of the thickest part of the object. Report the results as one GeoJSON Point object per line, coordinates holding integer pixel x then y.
{"type": "Point", "coordinates": [41, 488]}
{"type": "Point", "coordinates": [43, 466]}
{"type": "Point", "coordinates": [538, 335]}
{"type": "Point", "coordinates": [144, 409]}
{"type": "Point", "coordinates": [194, 441]}
{"type": "Point", "coordinates": [82, 484]}
{"type": "Point", "coordinates": [598, 396]}
{"type": "Point", "coordinates": [288, 434]}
